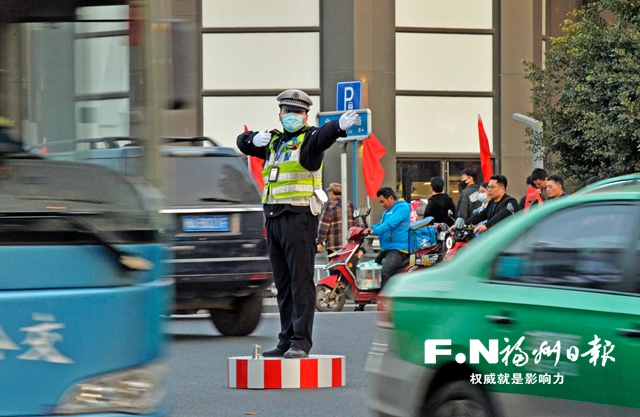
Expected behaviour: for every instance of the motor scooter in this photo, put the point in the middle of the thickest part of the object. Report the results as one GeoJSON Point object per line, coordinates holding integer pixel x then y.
{"type": "Point", "coordinates": [425, 252]}
{"type": "Point", "coordinates": [346, 280]}
{"type": "Point", "coordinates": [462, 235]}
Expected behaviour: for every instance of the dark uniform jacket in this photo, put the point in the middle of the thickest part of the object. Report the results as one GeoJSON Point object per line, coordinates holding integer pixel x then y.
{"type": "Point", "coordinates": [495, 211]}
{"type": "Point", "coordinates": [316, 141]}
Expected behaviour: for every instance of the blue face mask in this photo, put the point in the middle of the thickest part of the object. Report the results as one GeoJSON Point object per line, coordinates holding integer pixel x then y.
{"type": "Point", "coordinates": [482, 197]}
{"type": "Point", "coordinates": [292, 122]}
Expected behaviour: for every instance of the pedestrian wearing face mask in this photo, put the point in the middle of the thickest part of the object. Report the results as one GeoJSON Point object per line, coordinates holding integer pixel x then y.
{"type": "Point", "coordinates": [468, 200]}
{"type": "Point", "coordinates": [483, 197]}
{"type": "Point", "coordinates": [292, 199]}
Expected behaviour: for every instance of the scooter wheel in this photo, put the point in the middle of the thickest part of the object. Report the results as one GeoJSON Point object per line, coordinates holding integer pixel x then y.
{"type": "Point", "coordinates": [326, 302]}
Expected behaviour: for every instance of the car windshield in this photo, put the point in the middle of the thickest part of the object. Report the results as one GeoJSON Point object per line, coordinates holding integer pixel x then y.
{"type": "Point", "coordinates": [209, 180]}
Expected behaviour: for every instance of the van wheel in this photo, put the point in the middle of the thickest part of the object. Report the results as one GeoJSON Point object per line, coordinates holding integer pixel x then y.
{"type": "Point", "coordinates": [242, 319]}
{"type": "Point", "coordinates": [458, 398]}
{"type": "Point", "coordinates": [326, 302]}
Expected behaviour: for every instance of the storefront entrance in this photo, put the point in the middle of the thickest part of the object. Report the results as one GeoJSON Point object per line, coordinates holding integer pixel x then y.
{"type": "Point", "coordinates": [414, 176]}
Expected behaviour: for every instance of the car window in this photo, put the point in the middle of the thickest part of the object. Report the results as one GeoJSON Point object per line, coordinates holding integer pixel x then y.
{"type": "Point", "coordinates": [209, 180]}
{"type": "Point", "coordinates": [577, 248]}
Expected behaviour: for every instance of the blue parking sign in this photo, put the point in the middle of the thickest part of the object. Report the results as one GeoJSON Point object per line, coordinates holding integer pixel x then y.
{"type": "Point", "coordinates": [349, 95]}
{"type": "Point", "coordinates": [360, 130]}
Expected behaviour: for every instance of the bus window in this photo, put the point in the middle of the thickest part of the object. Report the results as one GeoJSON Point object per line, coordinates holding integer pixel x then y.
{"type": "Point", "coordinates": [83, 287]}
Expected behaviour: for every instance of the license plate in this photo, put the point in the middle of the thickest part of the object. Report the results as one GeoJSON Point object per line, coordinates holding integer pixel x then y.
{"type": "Point", "coordinates": [206, 224]}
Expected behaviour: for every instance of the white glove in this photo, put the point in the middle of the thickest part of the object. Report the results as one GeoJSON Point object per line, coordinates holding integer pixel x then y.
{"type": "Point", "coordinates": [348, 119]}
{"type": "Point", "coordinates": [262, 139]}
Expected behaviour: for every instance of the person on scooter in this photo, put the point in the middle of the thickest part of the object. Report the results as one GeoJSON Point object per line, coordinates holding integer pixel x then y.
{"type": "Point", "coordinates": [468, 188]}
{"type": "Point", "coordinates": [483, 197]}
{"type": "Point", "coordinates": [497, 208]}
{"type": "Point", "coordinates": [393, 233]}
{"type": "Point", "coordinates": [440, 203]}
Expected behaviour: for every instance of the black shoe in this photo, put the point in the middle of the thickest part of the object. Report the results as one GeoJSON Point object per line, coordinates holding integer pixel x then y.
{"type": "Point", "coordinates": [295, 353]}
{"type": "Point", "coordinates": [359, 307]}
{"type": "Point", "coordinates": [273, 353]}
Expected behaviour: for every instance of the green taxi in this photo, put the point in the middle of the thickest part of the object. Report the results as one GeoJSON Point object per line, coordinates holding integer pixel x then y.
{"type": "Point", "coordinates": [540, 316]}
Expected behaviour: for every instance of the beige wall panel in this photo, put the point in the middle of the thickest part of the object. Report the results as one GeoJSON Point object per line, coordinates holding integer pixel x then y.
{"type": "Point", "coordinates": [254, 61]}
{"type": "Point", "coordinates": [441, 124]}
{"type": "Point", "coordinates": [516, 35]}
{"type": "Point", "coordinates": [444, 13]}
{"type": "Point", "coordinates": [516, 158]}
{"type": "Point", "coordinates": [224, 117]}
{"type": "Point", "coordinates": [426, 61]}
{"type": "Point", "coordinates": [260, 13]}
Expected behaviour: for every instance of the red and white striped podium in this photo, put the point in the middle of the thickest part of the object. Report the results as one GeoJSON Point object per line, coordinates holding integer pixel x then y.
{"type": "Point", "coordinates": [316, 371]}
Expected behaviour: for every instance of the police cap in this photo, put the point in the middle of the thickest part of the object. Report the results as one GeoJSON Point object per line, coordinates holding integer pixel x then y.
{"type": "Point", "coordinates": [294, 100]}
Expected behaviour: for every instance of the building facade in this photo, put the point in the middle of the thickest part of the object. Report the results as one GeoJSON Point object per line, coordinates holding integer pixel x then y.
{"type": "Point", "coordinates": [428, 67]}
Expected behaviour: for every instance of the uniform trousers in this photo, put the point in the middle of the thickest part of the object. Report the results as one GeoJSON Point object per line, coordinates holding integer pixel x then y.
{"type": "Point", "coordinates": [291, 241]}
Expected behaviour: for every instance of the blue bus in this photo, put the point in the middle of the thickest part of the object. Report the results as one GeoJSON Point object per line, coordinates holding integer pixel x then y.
{"type": "Point", "coordinates": [83, 276]}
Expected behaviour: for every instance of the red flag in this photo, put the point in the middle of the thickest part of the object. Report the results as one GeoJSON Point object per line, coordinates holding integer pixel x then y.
{"type": "Point", "coordinates": [485, 153]}
{"type": "Point", "coordinates": [255, 167]}
{"type": "Point", "coordinates": [372, 171]}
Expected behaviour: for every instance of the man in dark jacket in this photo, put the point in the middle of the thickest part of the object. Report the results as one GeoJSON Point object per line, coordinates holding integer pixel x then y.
{"type": "Point", "coordinates": [497, 208]}
{"type": "Point", "coordinates": [440, 203]}
{"type": "Point", "coordinates": [468, 201]}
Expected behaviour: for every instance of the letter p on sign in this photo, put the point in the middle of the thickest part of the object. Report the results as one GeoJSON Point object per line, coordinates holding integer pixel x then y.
{"type": "Point", "coordinates": [348, 95]}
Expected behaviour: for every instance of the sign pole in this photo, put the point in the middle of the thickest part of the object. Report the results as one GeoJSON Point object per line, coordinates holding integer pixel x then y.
{"type": "Point", "coordinates": [345, 201]}
{"type": "Point", "coordinates": [354, 152]}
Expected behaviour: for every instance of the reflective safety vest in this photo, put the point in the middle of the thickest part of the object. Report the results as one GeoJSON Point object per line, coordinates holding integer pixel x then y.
{"type": "Point", "coordinates": [294, 184]}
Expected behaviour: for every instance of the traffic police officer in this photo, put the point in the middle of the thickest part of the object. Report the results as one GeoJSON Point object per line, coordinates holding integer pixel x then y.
{"type": "Point", "coordinates": [292, 199]}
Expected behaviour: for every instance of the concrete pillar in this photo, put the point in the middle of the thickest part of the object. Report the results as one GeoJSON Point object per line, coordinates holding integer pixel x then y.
{"type": "Point", "coordinates": [358, 43]}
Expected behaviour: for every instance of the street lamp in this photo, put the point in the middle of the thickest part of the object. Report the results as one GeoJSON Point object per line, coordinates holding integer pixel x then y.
{"type": "Point", "coordinates": [536, 126]}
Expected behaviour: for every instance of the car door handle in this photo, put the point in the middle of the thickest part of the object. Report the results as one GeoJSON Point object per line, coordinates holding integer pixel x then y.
{"type": "Point", "coordinates": [501, 319]}
{"type": "Point", "coordinates": [630, 333]}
